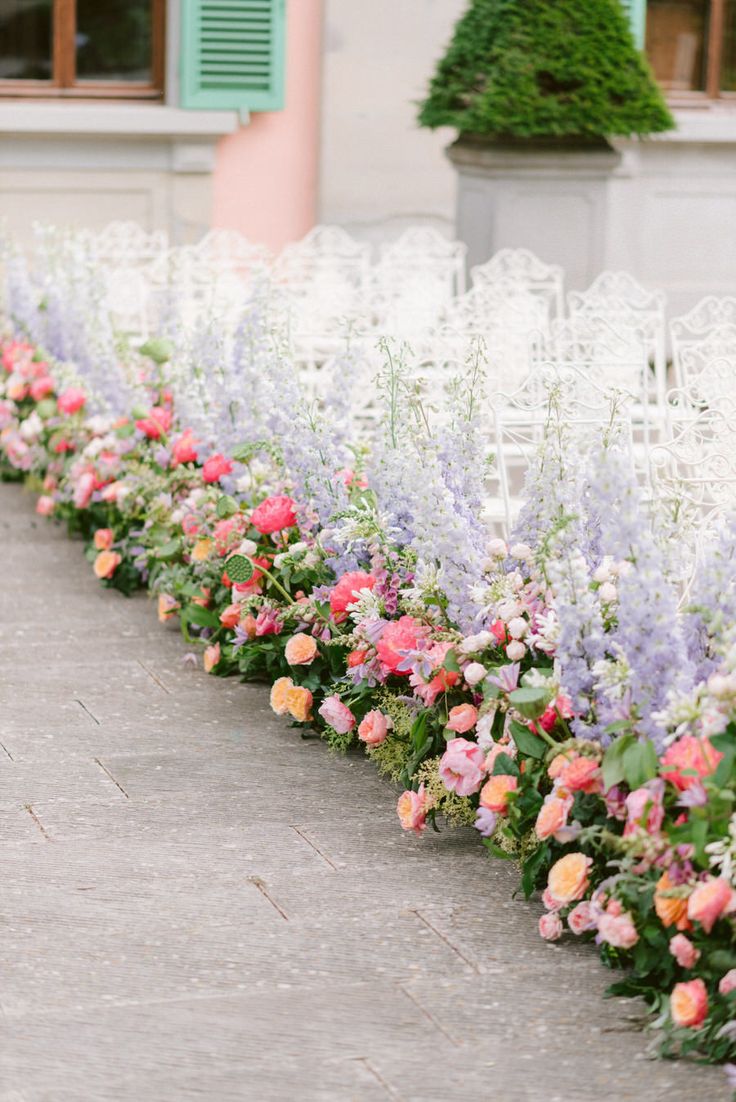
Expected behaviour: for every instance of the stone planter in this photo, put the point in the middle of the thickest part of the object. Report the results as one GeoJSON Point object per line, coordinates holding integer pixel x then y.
{"type": "Point", "coordinates": [549, 197]}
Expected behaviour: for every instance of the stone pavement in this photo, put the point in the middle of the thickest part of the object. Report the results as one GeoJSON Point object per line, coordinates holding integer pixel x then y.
{"type": "Point", "coordinates": [198, 904]}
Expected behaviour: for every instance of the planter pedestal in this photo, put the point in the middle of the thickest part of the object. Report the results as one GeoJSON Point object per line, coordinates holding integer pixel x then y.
{"type": "Point", "coordinates": [552, 199]}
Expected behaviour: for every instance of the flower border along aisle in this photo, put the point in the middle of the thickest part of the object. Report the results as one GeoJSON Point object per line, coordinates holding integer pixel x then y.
{"type": "Point", "coordinates": [548, 692]}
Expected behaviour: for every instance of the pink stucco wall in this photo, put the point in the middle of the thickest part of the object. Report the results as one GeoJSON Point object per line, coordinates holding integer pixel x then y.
{"type": "Point", "coordinates": [265, 181]}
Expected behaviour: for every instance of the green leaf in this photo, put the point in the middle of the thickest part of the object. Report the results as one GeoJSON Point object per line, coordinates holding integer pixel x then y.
{"type": "Point", "coordinates": [531, 869]}
{"type": "Point", "coordinates": [168, 551]}
{"type": "Point", "coordinates": [202, 617]}
{"type": "Point", "coordinates": [527, 742]}
{"type": "Point", "coordinates": [506, 766]}
{"type": "Point", "coordinates": [451, 663]}
{"type": "Point", "coordinates": [613, 761]}
{"type": "Point", "coordinates": [529, 702]}
{"type": "Point", "coordinates": [157, 349]}
{"type": "Point", "coordinates": [639, 763]}
{"type": "Point", "coordinates": [46, 408]}
{"type": "Point", "coordinates": [727, 746]}
{"type": "Point", "coordinates": [239, 569]}
{"type": "Point", "coordinates": [226, 506]}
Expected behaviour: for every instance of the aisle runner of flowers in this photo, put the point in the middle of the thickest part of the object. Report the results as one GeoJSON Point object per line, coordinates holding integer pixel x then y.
{"type": "Point", "coordinates": [549, 691]}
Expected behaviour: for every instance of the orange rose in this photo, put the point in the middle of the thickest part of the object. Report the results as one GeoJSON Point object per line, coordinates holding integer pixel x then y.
{"type": "Point", "coordinates": [202, 550]}
{"type": "Point", "coordinates": [299, 701]}
{"type": "Point", "coordinates": [671, 909]}
{"type": "Point", "coordinates": [689, 1003]}
{"type": "Point", "coordinates": [107, 563]}
{"type": "Point", "coordinates": [301, 650]}
{"type": "Point", "coordinates": [279, 695]}
{"type": "Point", "coordinates": [103, 539]}
{"type": "Point", "coordinates": [569, 877]}
{"type": "Point", "coordinates": [495, 792]}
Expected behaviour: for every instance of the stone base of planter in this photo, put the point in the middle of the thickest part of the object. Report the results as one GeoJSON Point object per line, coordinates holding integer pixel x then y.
{"type": "Point", "coordinates": [552, 199]}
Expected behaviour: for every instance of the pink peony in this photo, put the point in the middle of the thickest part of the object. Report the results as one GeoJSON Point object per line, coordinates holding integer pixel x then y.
{"type": "Point", "coordinates": [550, 926]}
{"type": "Point", "coordinates": [684, 951]}
{"type": "Point", "coordinates": [461, 767]}
{"type": "Point", "coordinates": [374, 727]}
{"type": "Point", "coordinates": [727, 983]}
{"type": "Point", "coordinates": [463, 717]}
{"type": "Point", "coordinates": [617, 929]}
{"type": "Point", "coordinates": [336, 715]}
{"type": "Point", "coordinates": [215, 467]}
{"type": "Point", "coordinates": [274, 514]}
{"type": "Point", "coordinates": [581, 918]}
{"type": "Point", "coordinates": [404, 634]}
{"type": "Point", "coordinates": [71, 400]}
{"type": "Point", "coordinates": [711, 899]}
{"type": "Point", "coordinates": [688, 760]}
{"type": "Point", "coordinates": [645, 808]}
{"type": "Point", "coordinates": [412, 810]}
{"type": "Point", "coordinates": [347, 591]}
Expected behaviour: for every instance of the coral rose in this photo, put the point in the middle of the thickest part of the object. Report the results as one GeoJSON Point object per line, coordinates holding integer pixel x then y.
{"type": "Point", "coordinates": [274, 514]}
{"type": "Point", "coordinates": [688, 760]}
{"type": "Point", "coordinates": [215, 467]}
{"type": "Point", "coordinates": [689, 1003]}
{"type": "Point", "coordinates": [184, 450]}
{"type": "Point", "coordinates": [412, 810]}
{"type": "Point", "coordinates": [684, 951]}
{"type": "Point", "coordinates": [462, 718]}
{"type": "Point", "coordinates": [299, 701]}
{"type": "Point", "coordinates": [107, 563]}
{"type": "Point", "coordinates": [461, 767]}
{"type": "Point", "coordinates": [581, 775]}
{"type": "Point", "coordinates": [494, 794]}
{"type": "Point", "coordinates": [671, 909]}
{"type": "Point", "coordinates": [337, 715]}
{"type": "Point", "coordinates": [374, 727]}
{"type": "Point", "coordinates": [301, 650]}
{"type": "Point", "coordinates": [569, 877]}
{"type": "Point", "coordinates": [280, 695]}
{"type": "Point", "coordinates": [45, 505]}
{"type": "Point", "coordinates": [347, 591]}
{"type": "Point", "coordinates": [550, 926]}
{"type": "Point", "coordinates": [404, 634]}
{"type": "Point", "coordinates": [230, 617]}
{"type": "Point", "coordinates": [211, 657]}
{"type": "Point", "coordinates": [552, 816]}
{"type": "Point", "coordinates": [103, 538]}
{"type": "Point", "coordinates": [711, 899]}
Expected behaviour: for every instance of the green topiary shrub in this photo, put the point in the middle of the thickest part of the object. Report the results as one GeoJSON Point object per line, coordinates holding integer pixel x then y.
{"type": "Point", "coordinates": [544, 69]}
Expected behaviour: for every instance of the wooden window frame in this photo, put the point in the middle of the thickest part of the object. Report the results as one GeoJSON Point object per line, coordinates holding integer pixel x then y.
{"type": "Point", "coordinates": [712, 93]}
{"type": "Point", "coordinates": [64, 83]}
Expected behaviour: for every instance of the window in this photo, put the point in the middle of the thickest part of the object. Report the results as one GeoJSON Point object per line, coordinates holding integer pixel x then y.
{"type": "Point", "coordinates": [82, 48]}
{"type": "Point", "coordinates": [691, 45]}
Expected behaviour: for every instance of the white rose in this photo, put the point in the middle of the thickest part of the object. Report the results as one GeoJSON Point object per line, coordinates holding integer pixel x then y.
{"type": "Point", "coordinates": [608, 593]}
{"type": "Point", "coordinates": [518, 627]}
{"type": "Point", "coordinates": [474, 673]}
{"type": "Point", "coordinates": [248, 547]}
{"type": "Point", "coordinates": [515, 650]}
{"type": "Point", "coordinates": [521, 551]}
{"type": "Point", "coordinates": [497, 549]}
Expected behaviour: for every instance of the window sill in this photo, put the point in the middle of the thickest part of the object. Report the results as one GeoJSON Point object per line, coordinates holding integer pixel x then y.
{"type": "Point", "coordinates": [713, 124]}
{"type": "Point", "coordinates": [104, 119]}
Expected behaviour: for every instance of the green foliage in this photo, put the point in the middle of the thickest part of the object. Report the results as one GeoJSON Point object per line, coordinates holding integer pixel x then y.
{"type": "Point", "coordinates": [544, 69]}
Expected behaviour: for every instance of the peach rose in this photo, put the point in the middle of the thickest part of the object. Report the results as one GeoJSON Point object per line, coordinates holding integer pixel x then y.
{"type": "Point", "coordinates": [688, 760]}
{"type": "Point", "coordinates": [711, 899]}
{"type": "Point", "coordinates": [301, 650]}
{"type": "Point", "coordinates": [299, 702]}
{"type": "Point", "coordinates": [230, 617]}
{"type": "Point", "coordinates": [412, 810]}
{"type": "Point", "coordinates": [202, 550]}
{"type": "Point", "coordinates": [552, 816]}
{"type": "Point", "coordinates": [280, 695]}
{"type": "Point", "coordinates": [689, 1004]}
{"type": "Point", "coordinates": [560, 762]}
{"type": "Point", "coordinates": [167, 607]}
{"type": "Point", "coordinates": [211, 657]}
{"type": "Point", "coordinates": [374, 727]}
{"type": "Point", "coordinates": [103, 539]}
{"type": "Point", "coordinates": [684, 951]}
{"type": "Point", "coordinates": [581, 775]}
{"type": "Point", "coordinates": [462, 718]}
{"type": "Point", "coordinates": [569, 877]}
{"type": "Point", "coordinates": [671, 909]}
{"type": "Point", "coordinates": [495, 792]}
{"type": "Point", "coordinates": [107, 563]}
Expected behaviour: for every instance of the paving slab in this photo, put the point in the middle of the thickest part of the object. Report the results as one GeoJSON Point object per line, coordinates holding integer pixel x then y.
{"type": "Point", "coordinates": [199, 904]}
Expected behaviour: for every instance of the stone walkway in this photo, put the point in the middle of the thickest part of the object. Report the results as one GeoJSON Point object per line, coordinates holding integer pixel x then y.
{"type": "Point", "coordinates": [198, 904]}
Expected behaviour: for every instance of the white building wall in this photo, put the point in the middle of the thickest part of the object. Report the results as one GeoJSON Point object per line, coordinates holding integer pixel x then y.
{"type": "Point", "coordinates": [380, 172]}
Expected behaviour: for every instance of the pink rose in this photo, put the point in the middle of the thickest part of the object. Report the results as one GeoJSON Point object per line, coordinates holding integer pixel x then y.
{"type": "Point", "coordinates": [374, 727]}
{"type": "Point", "coordinates": [83, 490]}
{"type": "Point", "coordinates": [684, 951]}
{"type": "Point", "coordinates": [215, 467]}
{"type": "Point", "coordinates": [41, 387]}
{"type": "Point", "coordinates": [347, 591]}
{"type": "Point", "coordinates": [337, 715]}
{"type": "Point", "coordinates": [274, 514]}
{"type": "Point", "coordinates": [463, 717]}
{"type": "Point", "coordinates": [645, 808]}
{"type": "Point", "coordinates": [184, 450]}
{"type": "Point", "coordinates": [582, 775]}
{"type": "Point", "coordinates": [549, 901]}
{"type": "Point", "coordinates": [156, 424]}
{"type": "Point", "coordinates": [727, 983]}
{"type": "Point", "coordinates": [45, 505]}
{"type": "Point", "coordinates": [404, 634]}
{"type": "Point", "coordinates": [461, 767]}
{"type": "Point", "coordinates": [617, 930]}
{"type": "Point", "coordinates": [412, 810]}
{"type": "Point", "coordinates": [71, 400]}
{"type": "Point", "coordinates": [103, 539]}
{"type": "Point", "coordinates": [711, 899]}
{"type": "Point", "coordinates": [688, 760]}
{"type": "Point", "coordinates": [581, 918]}
{"type": "Point", "coordinates": [550, 926]}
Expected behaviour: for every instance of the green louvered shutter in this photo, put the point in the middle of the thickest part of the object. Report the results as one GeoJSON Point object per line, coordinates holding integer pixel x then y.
{"type": "Point", "coordinates": [636, 10]}
{"type": "Point", "coordinates": [232, 54]}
